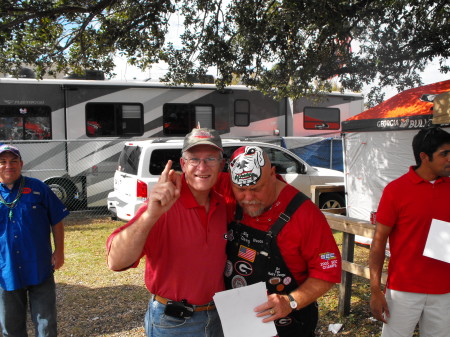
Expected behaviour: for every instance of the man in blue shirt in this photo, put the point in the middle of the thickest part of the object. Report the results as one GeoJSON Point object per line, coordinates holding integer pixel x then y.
{"type": "Point", "coordinates": [29, 213]}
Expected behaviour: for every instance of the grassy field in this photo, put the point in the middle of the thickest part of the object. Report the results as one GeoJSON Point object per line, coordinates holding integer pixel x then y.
{"type": "Point", "coordinates": [94, 301]}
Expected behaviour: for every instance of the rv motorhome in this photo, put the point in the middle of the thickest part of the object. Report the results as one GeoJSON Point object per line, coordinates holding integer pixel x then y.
{"type": "Point", "coordinates": [71, 132]}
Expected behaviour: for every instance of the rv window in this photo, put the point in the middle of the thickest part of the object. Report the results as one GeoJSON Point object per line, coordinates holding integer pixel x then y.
{"type": "Point", "coordinates": [114, 119]}
{"type": "Point", "coordinates": [159, 160]}
{"type": "Point", "coordinates": [25, 122]}
{"type": "Point", "coordinates": [179, 119]}
{"type": "Point", "coordinates": [315, 118]}
{"type": "Point", "coordinates": [241, 112]}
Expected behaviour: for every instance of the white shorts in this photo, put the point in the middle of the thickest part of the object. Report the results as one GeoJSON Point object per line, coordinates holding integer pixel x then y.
{"type": "Point", "coordinates": [432, 312]}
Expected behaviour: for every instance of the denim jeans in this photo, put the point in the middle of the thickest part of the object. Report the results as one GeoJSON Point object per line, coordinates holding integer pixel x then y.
{"type": "Point", "coordinates": [201, 324]}
{"type": "Point", "coordinates": [42, 301]}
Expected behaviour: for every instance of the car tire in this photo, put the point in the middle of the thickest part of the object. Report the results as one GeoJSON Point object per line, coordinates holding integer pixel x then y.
{"type": "Point", "coordinates": [331, 200]}
{"type": "Point", "coordinates": [65, 191]}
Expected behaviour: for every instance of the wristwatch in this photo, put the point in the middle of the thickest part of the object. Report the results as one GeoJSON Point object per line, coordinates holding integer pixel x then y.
{"type": "Point", "coordinates": [292, 302]}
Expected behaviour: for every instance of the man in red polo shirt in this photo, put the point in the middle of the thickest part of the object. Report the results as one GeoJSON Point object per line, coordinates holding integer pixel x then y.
{"type": "Point", "coordinates": [418, 287]}
{"type": "Point", "coordinates": [181, 231]}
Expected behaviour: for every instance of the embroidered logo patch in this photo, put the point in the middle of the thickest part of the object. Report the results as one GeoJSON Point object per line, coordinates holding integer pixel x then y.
{"type": "Point", "coordinates": [328, 256]}
{"type": "Point", "coordinates": [330, 260]}
{"type": "Point", "coordinates": [238, 281]}
{"type": "Point", "coordinates": [229, 236]}
{"type": "Point", "coordinates": [243, 268]}
{"type": "Point", "coordinates": [247, 253]}
{"type": "Point", "coordinates": [285, 321]}
{"type": "Point", "coordinates": [287, 280]}
{"type": "Point", "coordinates": [228, 268]}
{"type": "Point", "coordinates": [274, 280]}
{"type": "Point", "coordinates": [280, 288]}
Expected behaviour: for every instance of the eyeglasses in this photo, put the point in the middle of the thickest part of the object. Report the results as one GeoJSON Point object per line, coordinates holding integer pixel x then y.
{"type": "Point", "coordinates": [210, 162]}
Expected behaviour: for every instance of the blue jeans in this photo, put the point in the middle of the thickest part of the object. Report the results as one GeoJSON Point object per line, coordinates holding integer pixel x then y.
{"type": "Point", "coordinates": [201, 324]}
{"type": "Point", "coordinates": [42, 301]}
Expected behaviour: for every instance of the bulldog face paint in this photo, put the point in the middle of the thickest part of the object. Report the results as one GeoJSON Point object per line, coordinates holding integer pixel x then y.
{"type": "Point", "coordinates": [246, 165]}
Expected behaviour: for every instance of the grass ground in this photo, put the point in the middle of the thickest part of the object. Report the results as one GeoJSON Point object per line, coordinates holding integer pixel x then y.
{"type": "Point", "coordinates": [94, 301]}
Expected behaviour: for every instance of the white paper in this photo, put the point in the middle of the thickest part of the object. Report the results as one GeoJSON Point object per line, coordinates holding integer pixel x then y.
{"type": "Point", "coordinates": [236, 311]}
{"type": "Point", "coordinates": [438, 241]}
{"type": "Point", "coordinates": [334, 328]}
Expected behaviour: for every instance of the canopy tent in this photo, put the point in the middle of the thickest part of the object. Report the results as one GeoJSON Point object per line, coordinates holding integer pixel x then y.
{"type": "Point", "coordinates": [377, 144]}
{"type": "Point", "coordinates": [410, 109]}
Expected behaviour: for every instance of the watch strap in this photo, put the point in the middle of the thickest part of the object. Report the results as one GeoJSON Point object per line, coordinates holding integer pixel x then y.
{"type": "Point", "coordinates": [292, 299]}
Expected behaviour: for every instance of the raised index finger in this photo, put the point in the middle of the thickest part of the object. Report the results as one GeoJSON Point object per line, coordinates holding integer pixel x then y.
{"type": "Point", "coordinates": [165, 174]}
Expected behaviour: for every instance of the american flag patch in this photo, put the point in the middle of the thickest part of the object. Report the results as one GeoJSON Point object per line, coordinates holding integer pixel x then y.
{"type": "Point", "coordinates": [247, 253]}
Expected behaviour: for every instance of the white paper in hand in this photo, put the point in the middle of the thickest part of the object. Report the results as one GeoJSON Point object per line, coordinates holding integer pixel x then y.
{"type": "Point", "coordinates": [438, 241]}
{"type": "Point", "coordinates": [235, 308]}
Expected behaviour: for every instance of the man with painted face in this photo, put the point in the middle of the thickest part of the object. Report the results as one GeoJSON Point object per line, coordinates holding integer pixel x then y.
{"type": "Point", "coordinates": [278, 236]}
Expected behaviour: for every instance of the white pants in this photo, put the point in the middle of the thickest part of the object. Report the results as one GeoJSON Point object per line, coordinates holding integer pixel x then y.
{"type": "Point", "coordinates": [432, 312]}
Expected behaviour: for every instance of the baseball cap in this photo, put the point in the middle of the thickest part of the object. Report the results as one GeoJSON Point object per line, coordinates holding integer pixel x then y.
{"type": "Point", "coordinates": [202, 136]}
{"type": "Point", "coordinates": [10, 148]}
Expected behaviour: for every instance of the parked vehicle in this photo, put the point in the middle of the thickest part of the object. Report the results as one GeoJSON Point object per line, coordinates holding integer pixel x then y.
{"type": "Point", "coordinates": [141, 163]}
{"type": "Point", "coordinates": [72, 131]}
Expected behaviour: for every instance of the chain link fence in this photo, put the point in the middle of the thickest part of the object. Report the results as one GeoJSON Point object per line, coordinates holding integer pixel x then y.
{"type": "Point", "coordinates": [79, 172]}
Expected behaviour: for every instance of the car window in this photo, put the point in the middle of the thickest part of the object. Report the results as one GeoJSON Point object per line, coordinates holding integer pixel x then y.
{"type": "Point", "coordinates": [282, 161]}
{"type": "Point", "coordinates": [160, 157]}
{"type": "Point", "coordinates": [129, 159]}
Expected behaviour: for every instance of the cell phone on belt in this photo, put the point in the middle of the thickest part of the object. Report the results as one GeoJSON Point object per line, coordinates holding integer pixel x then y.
{"type": "Point", "coordinates": [179, 309]}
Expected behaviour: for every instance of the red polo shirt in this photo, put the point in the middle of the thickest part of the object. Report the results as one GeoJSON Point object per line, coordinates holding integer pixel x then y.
{"type": "Point", "coordinates": [408, 205]}
{"type": "Point", "coordinates": [185, 250]}
{"type": "Point", "coordinates": [306, 242]}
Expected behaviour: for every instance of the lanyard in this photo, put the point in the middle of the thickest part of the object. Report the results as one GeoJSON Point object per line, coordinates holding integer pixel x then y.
{"type": "Point", "coordinates": [11, 205]}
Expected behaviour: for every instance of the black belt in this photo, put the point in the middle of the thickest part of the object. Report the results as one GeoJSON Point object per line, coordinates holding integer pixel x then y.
{"type": "Point", "coordinates": [205, 307]}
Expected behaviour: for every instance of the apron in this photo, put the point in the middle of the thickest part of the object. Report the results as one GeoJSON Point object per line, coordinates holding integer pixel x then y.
{"type": "Point", "coordinates": [254, 256]}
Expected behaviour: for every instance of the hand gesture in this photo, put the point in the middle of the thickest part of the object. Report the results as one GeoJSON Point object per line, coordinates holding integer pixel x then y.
{"type": "Point", "coordinates": [166, 191]}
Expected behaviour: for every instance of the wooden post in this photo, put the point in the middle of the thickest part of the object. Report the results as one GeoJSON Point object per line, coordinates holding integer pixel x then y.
{"type": "Point", "coordinates": [345, 288]}
{"type": "Point", "coordinates": [350, 227]}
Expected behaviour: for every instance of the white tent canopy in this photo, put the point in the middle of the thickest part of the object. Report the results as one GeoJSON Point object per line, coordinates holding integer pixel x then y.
{"type": "Point", "coordinates": [377, 145]}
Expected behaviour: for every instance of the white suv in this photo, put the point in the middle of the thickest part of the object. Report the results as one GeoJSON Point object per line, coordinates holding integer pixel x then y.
{"type": "Point", "coordinates": [141, 163]}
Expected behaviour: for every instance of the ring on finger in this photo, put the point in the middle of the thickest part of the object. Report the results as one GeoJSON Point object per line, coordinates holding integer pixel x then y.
{"type": "Point", "coordinates": [272, 312]}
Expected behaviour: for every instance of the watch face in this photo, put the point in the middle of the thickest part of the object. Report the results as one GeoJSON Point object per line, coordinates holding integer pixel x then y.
{"type": "Point", "coordinates": [292, 302]}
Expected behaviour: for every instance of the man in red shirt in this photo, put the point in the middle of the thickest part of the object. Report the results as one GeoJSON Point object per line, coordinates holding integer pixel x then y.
{"type": "Point", "coordinates": [418, 287]}
{"type": "Point", "coordinates": [181, 231]}
{"type": "Point", "coordinates": [280, 237]}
